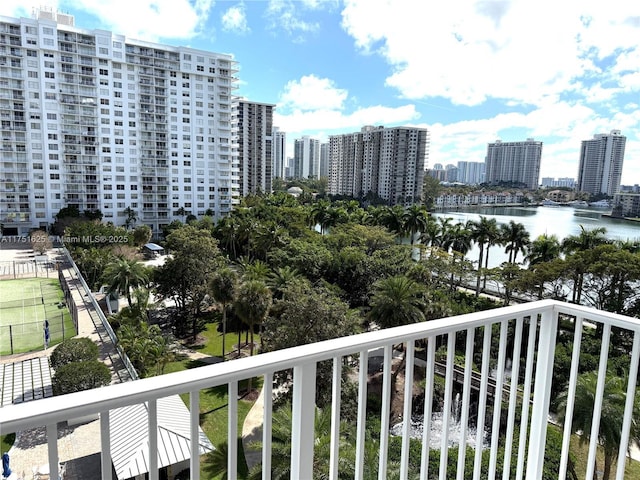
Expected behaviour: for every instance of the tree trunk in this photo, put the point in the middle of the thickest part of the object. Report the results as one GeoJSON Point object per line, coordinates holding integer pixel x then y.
{"type": "Point", "coordinates": [479, 269]}
{"type": "Point", "coordinates": [224, 330]}
{"type": "Point", "coordinates": [608, 461]}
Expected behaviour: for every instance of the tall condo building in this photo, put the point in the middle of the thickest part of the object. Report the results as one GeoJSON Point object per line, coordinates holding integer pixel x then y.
{"type": "Point", "coordinates": [515, 162]}
{"type": "Point", "coordinates": [279, 152]}
{"type": "Point", "coordinates": [95, 120]}
{"type": "Point", "coordinates": [601, 159]}
{"type": "Point", "coordinates": [306, 158]}
{"type": "Point", "coordinates": [388, 162]}
{"type": "Point", "coordinates": [324, 159]}
{"type": "Point", "coordinates": [471, 173]}
{"type": "Point", "coordinates": [255, 148]}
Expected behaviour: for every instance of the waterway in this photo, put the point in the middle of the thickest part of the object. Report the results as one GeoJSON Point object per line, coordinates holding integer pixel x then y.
{"type": "Point", "coordinates": [559, 221]}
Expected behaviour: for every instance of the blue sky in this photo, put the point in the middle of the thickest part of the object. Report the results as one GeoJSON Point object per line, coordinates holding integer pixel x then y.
{"type": "Point", "coordinates": [469, 71]}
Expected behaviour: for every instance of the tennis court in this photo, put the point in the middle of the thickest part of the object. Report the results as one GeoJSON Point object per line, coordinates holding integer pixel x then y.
{"type": "Point", "coordinates": [25, 304]}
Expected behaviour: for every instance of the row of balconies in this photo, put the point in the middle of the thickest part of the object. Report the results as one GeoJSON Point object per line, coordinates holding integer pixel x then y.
{"type": "Point", "coordinates": [9, 41]}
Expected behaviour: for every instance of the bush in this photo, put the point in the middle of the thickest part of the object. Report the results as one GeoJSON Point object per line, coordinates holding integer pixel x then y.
{"type": "Point", "coordinates": [78, 376]}
{"type": "Point", "coordinates": [74, 350]}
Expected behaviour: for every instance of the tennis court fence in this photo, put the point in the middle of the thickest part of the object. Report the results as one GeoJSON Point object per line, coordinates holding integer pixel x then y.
{"type": "Point", "coordinates": [23, 336]}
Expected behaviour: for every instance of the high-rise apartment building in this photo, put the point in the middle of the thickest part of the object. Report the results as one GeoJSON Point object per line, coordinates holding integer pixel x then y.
{"type": "Point", "coordinates": [471, 173]}
{"type": "Point", "coordinates": [279, 152]}
{"type": "Point", "coordinates": [93, 119]}
{"type": "Point", "coordinates": [601, 160]}
{"type": "Point", "coordinates": [306, 157]}
{"type": "Point", "coordinates": [514, 162]}
{"type": "Point", "coordinates": [324, 159]}
{"type": "Point", "coordinates": [255, 148]}
{"type": "Point", "coordinates": [388, 162]}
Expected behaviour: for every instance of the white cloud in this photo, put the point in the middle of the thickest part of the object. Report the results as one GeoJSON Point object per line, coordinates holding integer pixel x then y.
{"type": "Point", "coordinates": [336, 121]}
{"type": "Point", "coordinates": [311, 93]}
{"type": "Point", "coordinates": [287, 15]}
{"type": "Point", "coordinates": [313, 105]}
{"type": "Point", "coordinates": [141, 19]}
{"type": "Point", "coordinates": [24, 8]}
{"type": "Point", "coordinates": [150, 19]}
{"type": "Point", "coordinates": [234, 19]}
{"type": "Point", "coordinates": [468, 51]}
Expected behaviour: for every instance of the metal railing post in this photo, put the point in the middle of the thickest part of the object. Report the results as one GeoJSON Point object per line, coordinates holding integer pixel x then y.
{"type": "Point", "coordinates": [542, 393]}
{"type": "Point", "coordinates": [303, 421]}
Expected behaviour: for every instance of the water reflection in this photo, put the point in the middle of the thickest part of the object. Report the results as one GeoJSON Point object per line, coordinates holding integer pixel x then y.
{"type": "Point", "coordinates": [559, 221]}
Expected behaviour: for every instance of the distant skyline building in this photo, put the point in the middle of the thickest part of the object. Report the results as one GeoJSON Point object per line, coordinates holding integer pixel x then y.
{"type": "Point", "coordinates": [551, 182]}
{"type": "Point", "coordinates": [514, 162]}
{"type": "Point", "coordinates": [279, 152]}
{"type": "Point", "coordinates": [324, 159]}
{"type": "Point", "coordinates": [471, 173]}
{"type": "Point", "coordinates": [255, 155]}
{"type": "Point", "coordinates": [388, 162]}
{"type": "Point", "coordinates": [601, 159]}
{"type": "Point", "coordinates": [306, 157]}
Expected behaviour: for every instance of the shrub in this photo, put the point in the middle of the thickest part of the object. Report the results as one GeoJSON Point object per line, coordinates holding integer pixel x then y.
{"type": "Point", "coordinates": [74, 350]}
{"type": "Point", "coordinates": [78, 376]}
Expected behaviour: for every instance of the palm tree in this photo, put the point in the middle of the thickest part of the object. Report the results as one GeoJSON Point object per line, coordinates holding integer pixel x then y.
{"type": "Point", "coordinates": [222, 288]}
{"type": "Point", "coordinates": [181, 212]}
{"type": "Point", "coordinates": [252, 304]}
{"type": "Point", "coordinates": [393, 219]}
{"type": "Point", "coordinates": [480, 233]}
{"type": "Point", "coordinates": [414, 221]}
{"type": "Point", "coordinates": [585, 240]}
{"type": "Point", "coordinates": [516, 239]}
{"type": "Point", "coordinates": [124, 275]}
{"type": "Point", "coordinates": [282, 278]}
{"type": "Point", "coordinates": [397, 301]}
{"type": "Point", "coordinates": [319, 214]}
{"type": "Point", "coordinates": [456, 238]}
{"type": "Point", "coordinates": [545, 248]}
{"type": "Point", "coordinates": [132, 216]}
{"type": "Point", "coordinates": [493, 238]}
{"type": "Point", "coordinates": [611, 414]}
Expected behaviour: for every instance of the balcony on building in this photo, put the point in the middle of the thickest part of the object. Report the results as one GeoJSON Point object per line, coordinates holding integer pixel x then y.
{"type": "Point", "coordinates": [512, 346]}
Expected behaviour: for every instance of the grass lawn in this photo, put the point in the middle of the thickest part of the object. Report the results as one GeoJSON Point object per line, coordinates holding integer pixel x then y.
{"type": "Point", "coordinates": [581, 452]}
{"type": "Point", "coordinates": [212, 344]}
{"type": "Point", "coordinates": [6, 442]}
{"type": "Point", "coordinates": [214, 411]}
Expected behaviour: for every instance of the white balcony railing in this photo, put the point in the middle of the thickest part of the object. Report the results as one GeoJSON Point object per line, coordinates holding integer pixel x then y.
{"type": "Point", "coordinates": [528, 331]}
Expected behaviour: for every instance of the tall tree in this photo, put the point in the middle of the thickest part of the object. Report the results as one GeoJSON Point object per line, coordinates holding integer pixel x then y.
{"type": "Point", "coordinates": [397, 301]}
{"type": "Point", "coordinates": [222, 288]}
{"type": "Point", "coordinates": [415, 221]}
{"type": "Point", "coordinates": [481, 232]}
{"type": "Point", "coordinates": [252, 305]}
{"type": "Point", "coordinates": [393, 219]}
{"type": "Point", "coordinates": [132, 217]}
{"type": "Point", "coordinates": [515, 238]}
{"type": "Point", "coordinates": [544, 248]}
{"type": "Point", "coordinates": [611, 414]}
{"type": "Point", "coordinates": [124, 275]}
{"type": "Point", "coordinates": [573, 244]}
{"type": "Point", "coordinates": [185, 276]}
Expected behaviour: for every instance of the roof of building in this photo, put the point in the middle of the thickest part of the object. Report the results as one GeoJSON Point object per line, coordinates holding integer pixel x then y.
{"type": "Point", "coordinates": [153, 247]}
{"type": "Point", "coordinates": [31, 379]}
{"type": "Point", "coordinates": [130, 441]}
